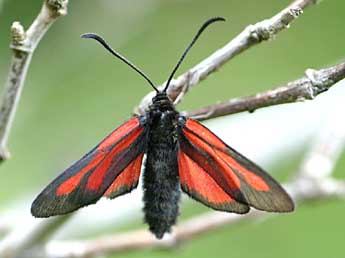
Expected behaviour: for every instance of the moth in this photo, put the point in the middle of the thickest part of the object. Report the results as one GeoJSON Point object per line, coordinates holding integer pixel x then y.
{"type": "Point", "coordinates": [180, 154]}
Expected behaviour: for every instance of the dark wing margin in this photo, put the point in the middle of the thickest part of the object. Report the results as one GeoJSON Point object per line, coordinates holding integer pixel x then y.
{"type": "Point", "coordinates": [240, 178]}
{"type": "Point", "coordinates": [98, 173]}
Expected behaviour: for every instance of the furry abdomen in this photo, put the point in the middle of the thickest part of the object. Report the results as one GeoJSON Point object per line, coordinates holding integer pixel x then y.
{"type": "Point", "coordinates": [161, 180]}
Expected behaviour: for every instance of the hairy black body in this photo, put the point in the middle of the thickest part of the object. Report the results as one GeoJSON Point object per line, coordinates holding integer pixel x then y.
{"type": "Point", "coordinates": [161, 179]}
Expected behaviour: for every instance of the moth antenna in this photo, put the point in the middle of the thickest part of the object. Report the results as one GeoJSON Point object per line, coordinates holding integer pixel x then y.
{"type": "Point", "coordinates": [119, 56]}
{"type": "Point", "coordinates": [202, 28]}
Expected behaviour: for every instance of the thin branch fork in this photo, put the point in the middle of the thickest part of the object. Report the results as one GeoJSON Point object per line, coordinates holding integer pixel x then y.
{"type": "Point", "coordinates": [306, 88]}
{"type": "Point", "coordinates": [23, 45]}
{"type": "Point", "coordinates": [252, 35]}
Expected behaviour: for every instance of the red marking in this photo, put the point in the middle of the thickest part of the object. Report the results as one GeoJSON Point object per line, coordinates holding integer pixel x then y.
{"type": "Point", "coordinates": [252, 179]}
{"type": "Point", "coordinates": [194, 178]}
{"type": "Point", "coordinates": [128, 177]}
{"type": "Point", "coordinates": [71, 183]}
{"type": "Point", "coordinates": [118, 133]}
{"type": "Point", "coordinates": [96, 178]}
{"type": "Point", "coordinates": [205, 133]}
{"type": "Point", "coordinates": [231, 178]}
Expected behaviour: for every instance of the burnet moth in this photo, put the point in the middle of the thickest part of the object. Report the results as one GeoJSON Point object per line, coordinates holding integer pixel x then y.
{"type": "Point", "coordinates": [181, 154]}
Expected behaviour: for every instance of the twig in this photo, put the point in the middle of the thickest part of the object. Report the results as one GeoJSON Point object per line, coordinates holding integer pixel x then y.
{"type": "Point", "coordinates": [252, 35]}
{"type": "Point", "coordinates": [23, 45]}
{"type": "Point", "coordinates": [305, 88]}
{"type": "Point", "coordinates": [36, 234]}
{"type": "Point", "coordinates": [142, 239]}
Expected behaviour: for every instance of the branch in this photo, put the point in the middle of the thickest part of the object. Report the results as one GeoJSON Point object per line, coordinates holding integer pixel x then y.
{"type": "Point", "coordinates": [19, 241]}
{"type": "Point", "coordinates": [142, 239]}
{"type": "Point", "coordinates": [23, 45]}
{"type": "Point", "coordinates": [306, 88]}
{"type": "Point", "coordinates": [252, 35]}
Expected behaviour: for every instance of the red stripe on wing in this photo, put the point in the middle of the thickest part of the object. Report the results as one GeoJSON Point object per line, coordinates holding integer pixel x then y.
{"type": "Point", "coordinates": [127, 180]}
{"type": "Point", "coordinates": [71, 183]}
{"type": "Point", "coordinates": [96, 178]}
{"type": "Point", "coordinates": [201, 187]}
{"type": "Point", "coordinates": [252, 179]}
{"type": "Point", "coordinates": [231, 178]}
{"type": "Point", "coordinates": [99, 160]}
{"type": "Point", "coordinates": [205, 133]}
{"type": "Point", "coordinates": [119, 133]}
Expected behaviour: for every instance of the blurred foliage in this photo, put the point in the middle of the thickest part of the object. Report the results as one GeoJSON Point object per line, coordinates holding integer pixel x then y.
{"type": "Point", "coordinates": [76, 93]}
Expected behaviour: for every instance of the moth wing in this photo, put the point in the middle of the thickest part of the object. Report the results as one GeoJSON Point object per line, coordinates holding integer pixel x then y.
{"type": "Point", "coordinates": [103, 168]}
{"type": "Point", "coordinates": [239, 177]}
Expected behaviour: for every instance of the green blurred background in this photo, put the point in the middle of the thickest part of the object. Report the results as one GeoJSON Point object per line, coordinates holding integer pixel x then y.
{"type": "Point", "coordinates": [75, 93]}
